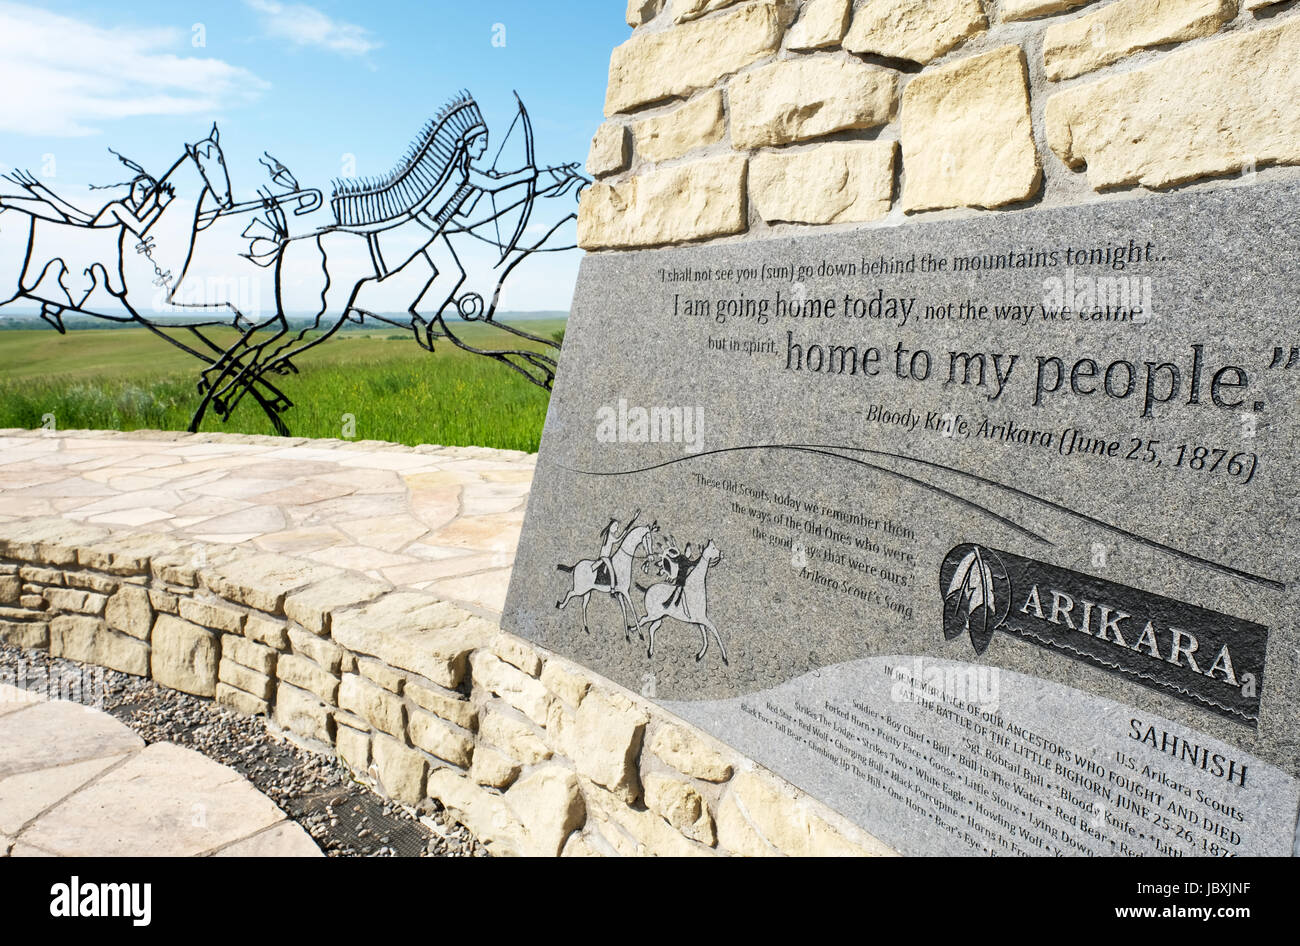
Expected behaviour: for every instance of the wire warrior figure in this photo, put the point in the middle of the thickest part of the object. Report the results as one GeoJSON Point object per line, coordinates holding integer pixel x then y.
{"type": "Point", "coordinates": [440, 182]}
{"type": "Point", "coordinates": [132, 258]}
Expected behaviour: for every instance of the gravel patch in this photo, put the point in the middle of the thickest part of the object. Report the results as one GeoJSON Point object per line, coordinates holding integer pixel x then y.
{"type": "Point", "coordinates": [344, 816]}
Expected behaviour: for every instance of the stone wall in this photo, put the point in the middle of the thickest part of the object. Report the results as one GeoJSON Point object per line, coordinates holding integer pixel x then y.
{"type": "Point", "coordinates": [726, 117]}
{"type": "Point", "coordinates": [417, 696]}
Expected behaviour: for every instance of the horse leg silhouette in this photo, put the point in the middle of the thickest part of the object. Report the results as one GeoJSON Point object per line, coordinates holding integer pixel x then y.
{"type": "Point", "coordinates": [650, 633]}
{"type": "Point", "coordinates": [624, 605]}
{"type": "Point", "coordinates": [272, 402]}
{"type": "Point", "coordinates": [706, 623]}
{"type": "Point", "coordinates": [704, 643]}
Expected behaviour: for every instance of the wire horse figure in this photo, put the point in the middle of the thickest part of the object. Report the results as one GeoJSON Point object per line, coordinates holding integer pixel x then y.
{"type": "Point", "coordinates": [400, 230]}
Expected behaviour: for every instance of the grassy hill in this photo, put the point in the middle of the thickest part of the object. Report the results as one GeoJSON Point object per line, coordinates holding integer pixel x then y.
{"type": "Point", "coordinates": [128, 378]}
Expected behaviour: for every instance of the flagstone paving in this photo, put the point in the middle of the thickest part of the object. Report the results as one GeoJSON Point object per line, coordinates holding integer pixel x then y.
{"type": "Point", "coordinates": [444, 520]}
{"type": "Point", "coordinates": [74, 781]}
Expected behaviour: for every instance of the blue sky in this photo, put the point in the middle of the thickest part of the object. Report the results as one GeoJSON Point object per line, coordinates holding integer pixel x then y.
{"type": "Point", "coordinates": [327, 87]}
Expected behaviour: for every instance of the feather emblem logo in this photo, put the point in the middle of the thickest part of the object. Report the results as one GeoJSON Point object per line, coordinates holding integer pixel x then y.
{"type": "Point", "coordinates": [976, 594]}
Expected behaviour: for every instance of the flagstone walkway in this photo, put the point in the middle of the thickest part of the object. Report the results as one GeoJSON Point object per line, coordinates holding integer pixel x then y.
{"type": "Point", "coordinates": [444, 520]}
{"type": "Point", "coordinates": [74, 781]}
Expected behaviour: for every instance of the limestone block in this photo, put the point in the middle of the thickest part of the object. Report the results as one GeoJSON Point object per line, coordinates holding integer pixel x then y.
{"type": "Point", "coordinates": [1213, 109]}
{"type": "Point", "coordinates": [640, 12]}
{"type": "Point", "coordinates": [579, 846]}
{"type": "Point", "coordinates": [516, 688]}
{"type": "Point", "coordinates": [916, 30]}
{"type": "Point", "coordinates": [75, 601]}
{"type": "Point", "coordinates": [240, 701]}
{"type": "Point", "coordinates": [493, 769]}
{"type": "Point", "coordinates": [967, 137]}
{"type": "Point", "coordinates": [435, 737]}
{"type": "Point", "coordinates": [786, 824]}
{"type": "Point", "coordinates": [605, 741]}
{"type": "Point", "coordinates": [565, 682]}
{"type": "Point", "coordinates": [324, 652]}
{"type": "Point", "coordinates": [353, 747]}
{"type": "Point", "coordinates": [378, 672]}
{"type": "Point", "coordinates": [684, 10]}
{"type": "Point", "coordinates": [1120, 29]}
{"type": "Point", "coordinates": [485, 813]}
{"type": "Point", "coordinates": [692, 201]}
{"type": "Point", "coordinates": [302, 673]}
{"type": "Point", "coordinates": [513, 737]}
{"type": "Point", "coordinates": [698, 123]}
{"type": "Point", "coordinates": [181, 566]}
{"type": "Point", "coordinates": [518, 653]}
{"type": "Point", "coordinates": [255, 656]}
{"type": "Point", "coordinates": [414, 632]}
{"type": "Point", "coordinates": [648, 833]}
{"type": "Point", "coordinates": [25, 633]}
{"type": "Point", "coordinates": [1027, 9]}
{"type": "Point", "coordinates": [450, 707]}
{"type": "Point", "coordinates": [688, 754]}
{"type": "Point", "coordinates": [250, 681]}
{"type": "Point", "coordinates": [821, 24]}
{"type": "Point", "coordinates": [130, 611]}
{"type": "Point", "coordinates": [548, 803]}
{"type": "Point", "coordinates": [651, 67]}
{"type": "Point", "coordinates": [40, 576]}
{"type": "Point", "coordinates": [30, 602]}
{"type": "Point", "coordinates": [610, 151]}
{"type": "Point", "coordinates": [163, 601]}
{"type": "Point", "coordinates": [797, 99]}
{"type": "Point", "coordinates": [210, 614]}
{"type": "Point", "coordinates": [267, 631]}
{"type": "Point", "coordinates": [303, 713]}
{"type": "Point", "coordinates": [47, 540]}
{"type": "Point", "coordinates": [374, 704]}
{"type": "Point", "coordinates": [88, 581]}
{"type": "Point", "coordinates": [736, 835]}
{"type": "Point", "coordinates": [401, 770]}
{"type": "Point", "coordinates": [85, 638]}
{"type": "Point", "coordinates": [184, 656]}
{"type": "Point", "coordinates": [125, 554]}
{"type": "Point", "coordinates": [840, 182]}
{"type": "Point", "coordinates": [681, 806]}
{"type": "Point", "coordinates": [312, 606]}
{"type": "Point", "coordinates": [263, 581]}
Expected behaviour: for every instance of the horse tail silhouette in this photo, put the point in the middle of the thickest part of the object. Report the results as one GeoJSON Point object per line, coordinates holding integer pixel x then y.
{"type": "Point", "coordinates": [565, 568]}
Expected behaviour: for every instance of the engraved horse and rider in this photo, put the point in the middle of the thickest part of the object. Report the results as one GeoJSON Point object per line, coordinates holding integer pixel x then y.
{"type": "Point", "coordinates": [406, 230]}
{"type": "Point", "coordinates": [683, 596]}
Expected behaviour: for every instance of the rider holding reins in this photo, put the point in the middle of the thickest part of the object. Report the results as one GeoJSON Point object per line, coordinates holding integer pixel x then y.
{"type": "Point", "coordinates": [137, 212]}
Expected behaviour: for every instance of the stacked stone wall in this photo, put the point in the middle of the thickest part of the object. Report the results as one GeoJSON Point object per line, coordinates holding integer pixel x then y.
{"type": "Point", "coordinates": [419, 697]}
{"type": "Point", "coordinates": [750, 117]}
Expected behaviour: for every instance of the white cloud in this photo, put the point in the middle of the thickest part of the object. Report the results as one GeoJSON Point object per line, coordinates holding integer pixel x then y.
{"type": "Point", "coordinates": [63, 76]}
{"type": "Point", "coordinates": [302, 25]}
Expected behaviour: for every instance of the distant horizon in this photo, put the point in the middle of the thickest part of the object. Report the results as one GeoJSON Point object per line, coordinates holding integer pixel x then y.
{"type": "Point", "coordinates": [17, 312]}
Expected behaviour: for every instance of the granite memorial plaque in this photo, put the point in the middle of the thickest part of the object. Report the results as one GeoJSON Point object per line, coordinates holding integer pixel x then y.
{"type": "Point", "coordinates": [980, 531]}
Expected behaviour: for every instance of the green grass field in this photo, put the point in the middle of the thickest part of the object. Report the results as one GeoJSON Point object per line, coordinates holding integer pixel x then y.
{"type": "Point", "coordinates": [127, 379]}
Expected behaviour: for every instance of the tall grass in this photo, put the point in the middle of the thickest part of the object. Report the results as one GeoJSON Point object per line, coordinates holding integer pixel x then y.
{"type": "Point", "coordinates": [390, 390]}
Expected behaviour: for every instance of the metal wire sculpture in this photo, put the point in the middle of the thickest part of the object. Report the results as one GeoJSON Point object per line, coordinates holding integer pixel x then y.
{"type": "Point", "coordinates": [400, 230]}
